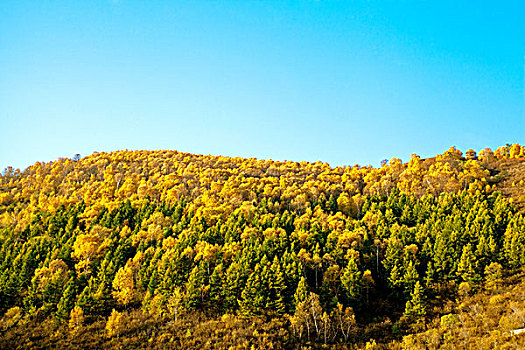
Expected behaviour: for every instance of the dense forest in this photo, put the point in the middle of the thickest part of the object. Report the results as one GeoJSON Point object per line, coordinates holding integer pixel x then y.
{"type": "Point", "coordinates": [163, 249]}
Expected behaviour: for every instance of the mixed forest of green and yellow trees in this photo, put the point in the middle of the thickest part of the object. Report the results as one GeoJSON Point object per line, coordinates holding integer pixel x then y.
{"type": "Point", "coordinates": [163, 249]}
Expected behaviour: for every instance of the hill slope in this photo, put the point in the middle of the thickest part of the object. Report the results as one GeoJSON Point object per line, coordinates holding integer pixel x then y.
{"type": "Point", "coordinates": [174, 248]}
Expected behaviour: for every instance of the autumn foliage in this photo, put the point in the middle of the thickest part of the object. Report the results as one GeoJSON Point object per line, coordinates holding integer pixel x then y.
{"type": "Point", "coordinates": [155, 246]}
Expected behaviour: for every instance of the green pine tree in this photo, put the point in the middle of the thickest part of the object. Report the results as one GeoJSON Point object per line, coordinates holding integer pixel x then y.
{"type": "Point", "coordinates": [196, 287]}
{"type": "Point", "coordinates": [253, 296]}
{"type": "Point", "coordinates": [410, 277]}
{"type": "Point", "coordinates": [466, 267]}
{"type": "Point", "coordinates": [233, 286]}
{"type": "Point", "coordinates": [275, 300]}
{"type": "Point", "coordinates": [415, 309]}
{"type": "Point", "coordinates": [301, 293]}
{"type": "Point", "coordinates": [216, 288]}
{"type": "Point", "coordinates": [67, 302]}
{"type": "Point", "coordinates": [351, 280]}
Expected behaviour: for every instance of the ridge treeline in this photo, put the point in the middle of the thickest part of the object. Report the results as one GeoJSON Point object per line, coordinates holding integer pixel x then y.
{"type": "Point", "coordinates": [321, 251]}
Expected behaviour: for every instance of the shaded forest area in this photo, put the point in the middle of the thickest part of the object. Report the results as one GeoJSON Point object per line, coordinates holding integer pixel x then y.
{"type": "Point", "coordinates": [162, 249]}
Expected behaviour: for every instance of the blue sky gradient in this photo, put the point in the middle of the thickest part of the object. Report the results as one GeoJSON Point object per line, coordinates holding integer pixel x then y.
{"type": "Point", "coordinates": [343, 82]}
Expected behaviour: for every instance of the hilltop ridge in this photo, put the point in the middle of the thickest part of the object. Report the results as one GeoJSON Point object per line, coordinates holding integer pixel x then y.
{"type": "Point", "coordinates": [175, 250]}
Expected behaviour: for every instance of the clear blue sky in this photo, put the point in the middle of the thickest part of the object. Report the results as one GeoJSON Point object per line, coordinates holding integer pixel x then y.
{"type": "Point", "coordinates": [339, 81]}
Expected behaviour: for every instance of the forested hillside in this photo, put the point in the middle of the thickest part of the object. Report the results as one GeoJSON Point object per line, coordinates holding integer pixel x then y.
{"type": "Point", "coordinates": [162, 249]}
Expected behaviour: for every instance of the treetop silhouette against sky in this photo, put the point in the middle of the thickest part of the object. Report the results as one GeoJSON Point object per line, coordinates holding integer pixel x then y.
{"type": "Point", "coordinates": [342, 82]}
